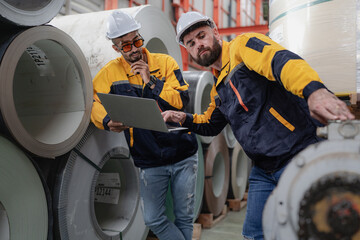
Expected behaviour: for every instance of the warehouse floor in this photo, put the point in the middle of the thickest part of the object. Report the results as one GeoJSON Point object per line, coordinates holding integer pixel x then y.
{"type": "Point", "coordinates": [229, 228]}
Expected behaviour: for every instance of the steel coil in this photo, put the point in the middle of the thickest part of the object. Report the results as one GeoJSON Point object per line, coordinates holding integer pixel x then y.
{"type": "Point", "coordinates": [200, 85]}
{"type": "Point", "coordinates": [98, 190]}
{"type": "Point", "coordinates": [239, 172]}
{"type": "Point", "coordinates": [23, 200]}
{"type": "Point", "coordinates": [29, 13]}
{"type": "Point", "coordinates": [45, 90]}
{"type": "Point", "coordinates": [217, 171]}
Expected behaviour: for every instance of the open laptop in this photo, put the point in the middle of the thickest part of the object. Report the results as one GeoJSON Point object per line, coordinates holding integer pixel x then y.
{"type": "Point", "coordinates": [136, 112]}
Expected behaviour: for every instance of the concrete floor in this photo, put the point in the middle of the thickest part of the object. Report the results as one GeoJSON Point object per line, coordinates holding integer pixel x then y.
{"type": "Point", "coordinates": [229, 228]}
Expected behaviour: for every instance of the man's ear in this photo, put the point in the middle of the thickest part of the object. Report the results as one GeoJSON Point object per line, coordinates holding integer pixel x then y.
{"type": "Point", "coordinates": [116, 48]}
{"type": "Point", "coordinates": [216, 33]}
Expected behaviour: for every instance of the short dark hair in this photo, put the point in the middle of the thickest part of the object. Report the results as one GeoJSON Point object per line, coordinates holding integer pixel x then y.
{"type": "Point", "coordinates": [195, 26]}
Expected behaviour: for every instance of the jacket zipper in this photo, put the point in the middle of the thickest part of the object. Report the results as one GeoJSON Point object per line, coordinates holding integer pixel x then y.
{"type": "Point", "coordinates": [238, 96]}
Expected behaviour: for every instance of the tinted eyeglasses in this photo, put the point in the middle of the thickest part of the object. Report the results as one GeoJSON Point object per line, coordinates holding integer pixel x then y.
{"type": "Point", "coordinates": [128, 46]}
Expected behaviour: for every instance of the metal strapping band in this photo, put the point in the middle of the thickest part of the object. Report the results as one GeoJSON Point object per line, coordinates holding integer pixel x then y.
{"type": "Point", "coordinates": [86, 159]}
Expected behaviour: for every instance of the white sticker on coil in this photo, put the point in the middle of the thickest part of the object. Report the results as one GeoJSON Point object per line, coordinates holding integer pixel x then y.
{"type": "Point", "coordinates": [108, 180]}
{"type": "Point", "coordinates": [107, 195]}
{"type": "Point", "coordinates": [41, 61]}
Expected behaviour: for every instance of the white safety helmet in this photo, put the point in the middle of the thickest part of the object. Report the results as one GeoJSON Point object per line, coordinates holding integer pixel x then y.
{"type": "Point", "coordinates": [187, 20]}
{"type": "Point", "coordinates": [120, 23]}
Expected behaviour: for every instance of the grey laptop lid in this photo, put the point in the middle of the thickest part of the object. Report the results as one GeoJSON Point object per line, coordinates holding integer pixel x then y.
{"type": "Point", "coordinates": [135, 112]}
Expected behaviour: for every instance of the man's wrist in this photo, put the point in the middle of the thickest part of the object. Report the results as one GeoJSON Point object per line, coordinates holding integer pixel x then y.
{"type": "Point", "coordinates": [151, 82]}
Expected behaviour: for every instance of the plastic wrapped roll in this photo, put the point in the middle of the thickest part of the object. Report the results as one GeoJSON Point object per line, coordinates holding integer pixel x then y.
{"type": "Point", "coordinates": [200, 85]}
{"type": "Point", "coordinates": [29, 13]}
{"type": "Point", "coordinates": [217, 171]}
{"type": "Point", "coordinates": [90, 28]}
{"type": "Point", "coordinates": [98, 190]}
{"type": "Point", "coordinates": [324, 33]}
{"type": "Point", "coordinates": [239, 172]}
{"type": "Point", "coordinates": [23, 201]}
{"type": "Point", "coordinates": [45, 90]}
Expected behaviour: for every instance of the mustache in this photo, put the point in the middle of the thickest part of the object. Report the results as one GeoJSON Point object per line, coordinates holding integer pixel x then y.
{"type": "Point", "coordinates": [202, 49]}
{"type": "Point", "coordinates": [132, 54]}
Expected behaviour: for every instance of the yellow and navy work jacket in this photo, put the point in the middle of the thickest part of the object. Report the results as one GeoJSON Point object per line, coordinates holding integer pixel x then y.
{"type": "Point", "coordinates": [148, 148]}
{"type": "Point", "coordinates": [261, 91]}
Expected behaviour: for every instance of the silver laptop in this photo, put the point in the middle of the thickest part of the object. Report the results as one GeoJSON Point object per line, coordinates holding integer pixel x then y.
{"type": "Point", "coordinates": [135, 112]}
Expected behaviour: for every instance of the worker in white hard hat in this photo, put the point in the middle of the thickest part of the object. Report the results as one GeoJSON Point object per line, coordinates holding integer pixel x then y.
{"type": "Point", "coordinates": [272, 99]}
{"type": "Point", "coordinates": [163, 158]}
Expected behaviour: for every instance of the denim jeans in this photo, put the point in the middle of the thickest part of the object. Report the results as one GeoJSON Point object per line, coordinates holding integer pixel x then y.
{"type": "Point", "coordinates": [154, 183]}
{"type": "Point", "coordinates": [261, 184]}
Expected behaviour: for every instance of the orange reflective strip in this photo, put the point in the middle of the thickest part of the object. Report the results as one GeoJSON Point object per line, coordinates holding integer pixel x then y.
{"type": "Point", "coordinates": [281, 119]}
{"type": "Point", "coordinates": [159, 107]}
{"type": "Point", "coordinates": [238, 96]}
{"type": "Point", "coordinates": [131, 130]}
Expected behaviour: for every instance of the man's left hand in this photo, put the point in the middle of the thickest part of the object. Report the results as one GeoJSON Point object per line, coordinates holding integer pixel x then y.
{"type": "Point", "coordinates": [325, 106]}
{"type": "Point", "coordinates": [142, 68]}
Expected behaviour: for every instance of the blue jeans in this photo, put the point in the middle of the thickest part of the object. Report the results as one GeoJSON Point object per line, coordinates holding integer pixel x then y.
{"type": "Point", "coordinates": [154, 183]}
{"type": "Point", "coordinates": [261, 184]}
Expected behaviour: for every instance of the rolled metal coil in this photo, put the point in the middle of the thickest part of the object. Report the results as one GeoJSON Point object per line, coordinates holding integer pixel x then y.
{"type": "Point", "coordinates": [200, 85]}
{"type": "Point", "coordinates": [98, 190]}
{"type": "Point", "coordinates": [29, 13]}
{"type": "Point", "coordinates": [217, 172]}
{"type": "Point", "coordinates": [45, 90]}
{"type": "Point", "coordinates": [23, 200]}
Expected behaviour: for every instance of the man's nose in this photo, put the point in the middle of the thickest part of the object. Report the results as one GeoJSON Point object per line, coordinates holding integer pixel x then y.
{"type": "Point", "coordinates": [199, 44]}
{"type": "Point", "coordinates": [134, 49]}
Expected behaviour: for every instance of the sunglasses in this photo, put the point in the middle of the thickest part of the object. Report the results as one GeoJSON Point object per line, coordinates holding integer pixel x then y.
{"type": "Point", "coordinates": [128, 46]}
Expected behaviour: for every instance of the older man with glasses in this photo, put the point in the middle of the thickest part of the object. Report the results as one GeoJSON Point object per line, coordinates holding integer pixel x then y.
{"type": "Point", "coordinates": [163, 158]}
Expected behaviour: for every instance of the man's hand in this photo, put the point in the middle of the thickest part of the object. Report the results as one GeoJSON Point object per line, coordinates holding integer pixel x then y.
{"type": "Point", "coordinates": [142, 68]}
{"type": "Point", "coordinates": [174, 116]}
{"type": "Point", "coordinates": [325, 106]}
{"type": "Point", "coordinates": [116, 126]}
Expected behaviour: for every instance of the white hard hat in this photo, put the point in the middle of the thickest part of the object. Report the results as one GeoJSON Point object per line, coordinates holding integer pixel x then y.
{"type": "Point", "coordinates": [120, 23]}
{"type": "Point", "coordinates": [187, 20]}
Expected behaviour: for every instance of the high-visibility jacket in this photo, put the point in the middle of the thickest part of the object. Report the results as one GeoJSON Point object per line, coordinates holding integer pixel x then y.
{"type": "Point", "coordinates": [261, 91]}
{"type": "Point", "coordinates": [148, 148]}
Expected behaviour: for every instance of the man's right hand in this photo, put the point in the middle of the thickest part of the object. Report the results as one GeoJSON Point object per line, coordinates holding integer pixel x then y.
{"type": "Point", "coordinates": [174, 116]}
{"type": "Point", "coordinates": [116, 126]}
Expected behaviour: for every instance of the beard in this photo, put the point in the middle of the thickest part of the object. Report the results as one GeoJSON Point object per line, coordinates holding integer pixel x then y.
{"type": "Point", "coordinates": [208, 59]}
{"type": "Point", "coordinates": [131, 58]}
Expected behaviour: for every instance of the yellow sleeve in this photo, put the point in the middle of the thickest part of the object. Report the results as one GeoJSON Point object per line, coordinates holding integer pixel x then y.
{"type": "Point", "coordinates": [100, 84]}
{"type": "Point", "coordinates": [175, 87]}
{"type": "Point", "coordinates": [206, 116]}
{"type": "Point", "coordinates": [266, 57]}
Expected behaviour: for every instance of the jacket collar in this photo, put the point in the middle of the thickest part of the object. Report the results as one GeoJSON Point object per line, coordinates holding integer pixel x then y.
{"type": "Point", "coordinates": [225, 60]}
